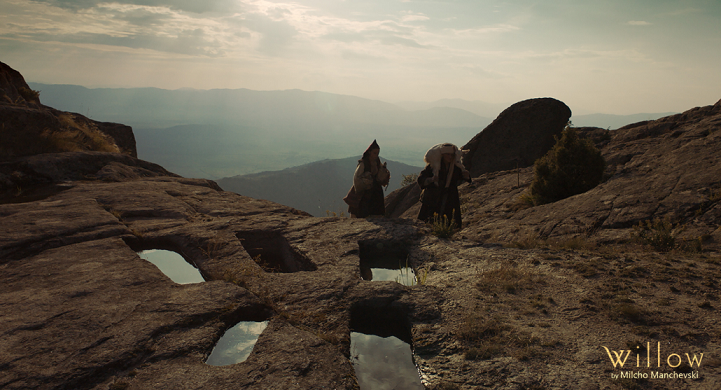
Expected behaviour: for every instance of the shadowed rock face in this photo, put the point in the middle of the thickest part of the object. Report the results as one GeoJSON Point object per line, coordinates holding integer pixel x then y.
{"type": "Point", "coordinates": [521, 134]}
{"type": "Point", "coordinates": [10, 82]}
{"type": "Point", "coordinates": [26, 123]}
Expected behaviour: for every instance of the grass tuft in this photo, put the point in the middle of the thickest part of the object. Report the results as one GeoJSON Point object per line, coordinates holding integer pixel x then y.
{"type": "Point", "coordinates": [442, 226]}
{"type": "Point", "coordinates": [30, 96]}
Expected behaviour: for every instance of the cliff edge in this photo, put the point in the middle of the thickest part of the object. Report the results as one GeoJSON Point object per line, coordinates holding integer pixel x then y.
{"type": "Point", "coordinates": [29, 127]}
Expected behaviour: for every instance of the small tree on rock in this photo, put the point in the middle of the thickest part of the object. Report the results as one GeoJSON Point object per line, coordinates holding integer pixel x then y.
{"type": "Point", "coordinates": [571, 167]}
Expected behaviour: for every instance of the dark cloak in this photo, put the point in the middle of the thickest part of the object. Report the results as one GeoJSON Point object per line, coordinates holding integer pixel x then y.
{"type": "Point", "coordinates": [452, 204]}
{"type": "Point", "coordinates": [372, 200]}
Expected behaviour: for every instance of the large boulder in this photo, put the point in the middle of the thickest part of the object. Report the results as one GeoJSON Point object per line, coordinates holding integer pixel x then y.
{"type": "Point", "coordinates": [521, 134]}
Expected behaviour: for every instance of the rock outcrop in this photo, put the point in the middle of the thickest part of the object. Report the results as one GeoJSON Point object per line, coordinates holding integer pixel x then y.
{"type": "Point", "coordinates": [11, 84]}
{"type": "Point", "coordinates": [99, 315]}
{"type": "Point", "coordinates": [667, 168]}
{"type": "Point", "coordinates": [29, 127]}
{"type": "Point", "coordinates": [81, 310]}
{"type": "Point", "coordinates": [521, 134]}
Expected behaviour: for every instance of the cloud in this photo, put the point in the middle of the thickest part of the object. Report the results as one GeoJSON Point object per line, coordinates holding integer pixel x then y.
{"type": "Point", "coordinates": [138, 16]}
{"type": "Point", "coordinates": [375, 36]}
{"type": "Point", "coordinates": [123, 25]}
{"type": "Point", "coordinates": [354, 56]}
{"type": "Point", "coordinates": [396, 40]}
{"type": "Point", "coordinates": [638, 23]}
{"type": "Point", "coordinates": [414, 18]}
{"type": "Point", "coordinates": [494, 29]}
{"type": "Point", "coordinates": [188, 42]}
{"type": "Point", "coordinates": [195, 6]}
{"type": "Point", "coordinates": [274, 35]}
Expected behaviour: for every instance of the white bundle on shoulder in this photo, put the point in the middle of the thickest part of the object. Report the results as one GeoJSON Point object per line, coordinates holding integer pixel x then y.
{"type": "Point", "coordinates": [434, 154]}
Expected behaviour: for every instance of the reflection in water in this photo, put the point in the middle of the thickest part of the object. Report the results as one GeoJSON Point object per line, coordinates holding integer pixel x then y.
{"type": "Point", "coordinates": [383, 363]}
{"type": "Point", "coordinates": [173, 266]}
{"type": "Point", "coordinates": [236, 344]}
{"type": "Point", "coordinates": [403, 275]}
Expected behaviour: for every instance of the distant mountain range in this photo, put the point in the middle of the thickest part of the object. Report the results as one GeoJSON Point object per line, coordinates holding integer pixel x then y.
{"type": "Point", "coordinates": [222, 133]}
{"type": "Point", "coordinates": [480, 108]}
{"type": "Point", "coordinates": [317, 188]}
{"type": "Point", "coordinates": [231, 134]}
{"type": "Point", "coordinates": [309, 111]}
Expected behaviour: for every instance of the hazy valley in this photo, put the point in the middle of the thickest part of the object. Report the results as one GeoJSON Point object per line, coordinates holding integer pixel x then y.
{"type": "Point", "coordinates": [222, 133]}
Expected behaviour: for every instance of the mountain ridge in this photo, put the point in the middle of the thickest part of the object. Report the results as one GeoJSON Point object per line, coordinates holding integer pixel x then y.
{"type": "Point", "coordinates": [214, 106]}
{"type": "Point", "coordinates": [316, 188]}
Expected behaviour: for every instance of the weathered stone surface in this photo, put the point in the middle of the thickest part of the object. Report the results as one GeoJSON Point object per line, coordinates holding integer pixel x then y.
{"type": "Point", "coordinates": [79, 309]}
{"type": "Point", "coordinates": [74, 316]}
{"type": "Point", "coordinates": [115, 319]}
{"type": "Point", "coordinates": [400, 200]}
{"type": "Point", "coordinates": [521, 134]}
{"type": "Point", "coordinates": [26, 175]}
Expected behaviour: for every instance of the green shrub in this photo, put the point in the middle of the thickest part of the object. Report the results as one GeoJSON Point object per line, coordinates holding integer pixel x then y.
{"type": "Point", "coordinates": [571, 167]}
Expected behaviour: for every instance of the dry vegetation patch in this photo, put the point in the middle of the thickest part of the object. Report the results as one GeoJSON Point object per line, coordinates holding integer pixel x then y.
{"type": "Point", "coordinates": [486, 338]}
{"type": "Point", "coordinates": [509, 279]}
{"type": "Point", "coordinates": [74, 136]}
{"type": "Point", "coordinates": [540, 304]}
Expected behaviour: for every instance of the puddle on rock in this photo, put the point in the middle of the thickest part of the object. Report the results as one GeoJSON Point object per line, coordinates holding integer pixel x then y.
{"type": "Point", "coordinates": [236, 344]}
{"type": "Point", "coordinates": [381, 350]}
{"type": "Point", "coordinates": [401, 274]}
{"type": "Point", "coordinates": [173, 265]}
{"type": "Point", "coordinates": [383, 261]}
{"type": "Point", "coordinates": [383, 363]}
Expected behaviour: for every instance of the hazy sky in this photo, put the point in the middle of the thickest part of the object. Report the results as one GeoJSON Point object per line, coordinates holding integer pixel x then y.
{"type": "Point", "coordinates": [609, 56]}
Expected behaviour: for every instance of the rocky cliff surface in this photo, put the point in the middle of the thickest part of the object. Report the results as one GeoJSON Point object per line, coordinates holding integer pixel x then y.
{"type": "Point", "coordinates": [29, 127]}
{"type": "Point", "coordinates": [522, 298]}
